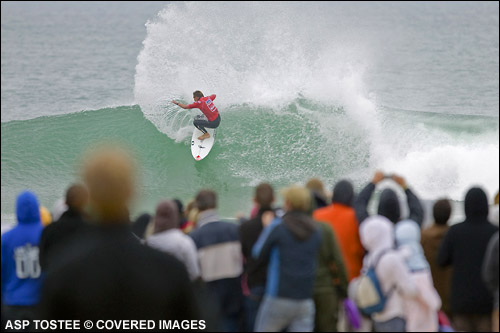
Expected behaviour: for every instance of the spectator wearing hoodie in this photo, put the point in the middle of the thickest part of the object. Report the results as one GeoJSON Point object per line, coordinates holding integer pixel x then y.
{"type": "Point", "coordinates": [464, 248]}
{"type": "Point", "coordinates": [291, 245]}
{"type": "Point", "coordinates": [108, 274]}
{"type": "Point", "coordinates": [21, 273]}
{"type": "Point", "coordinates": [388, 203]}
{"type": "Point", "coordinates": [422, 313]}
{"type": "Point", "coordinates": [432, 238]}
{"type": "Point", "coordinates": [490, 276]}
{"type": "Point", "coordinates": [220, 259]}
{"type": "Point", "coordinates": [167, 237]}
{"type": "Point", "coordinates": [377, 236]}
{"type": "Point", "coordinates": [342, 218]}
{"type": "Point", "coordinates": [71, 224]}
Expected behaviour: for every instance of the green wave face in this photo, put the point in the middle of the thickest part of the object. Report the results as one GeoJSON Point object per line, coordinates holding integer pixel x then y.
{"type": "Point", "coordinates": [254, 144]}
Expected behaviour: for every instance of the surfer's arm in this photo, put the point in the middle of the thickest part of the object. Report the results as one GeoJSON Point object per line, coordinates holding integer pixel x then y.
{"type": "Point", "coordinates": [184, 106]}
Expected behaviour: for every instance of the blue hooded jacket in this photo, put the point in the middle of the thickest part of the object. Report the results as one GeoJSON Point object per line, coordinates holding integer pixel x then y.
{"type": "Point", "coordinates": [21, 273]}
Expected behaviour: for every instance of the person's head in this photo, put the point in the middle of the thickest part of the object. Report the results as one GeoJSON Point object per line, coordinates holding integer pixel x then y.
{"type": "Point", "coordinates": [205, 200]}
{"type": "Point", "coordinates": [166, 217]}
{"type": "Point", "coordinates": [77, 197]}
{"type": "Point", "coordinates": [343, 193]}
{"type": "Point", "coordinates": [180, 211]}
{"type": "Point", "coordinates": [407, 236]}
{"type": "Point", "coordinates": [190, 208]}
{"type": "Point", "coordinates": [495, 201]}
{"type": "Point", "coordinates": [45, 216]}
{"type": "Point", "coordinates": [389, 205]}
{"type": "Point", "coordinates": [264, 196]}
{"type": "Point", "coordinates": [376, 232]}
{"type": "Point", "coordinates": [315, 184]}
{"type": "Point", "coordinates": [407, 232]}
{"type": "Point", "coordinates": [476, 204]}
{"type": "Point", "coordinates": [197, 95]}
{"type": "Point", "coordinates": [109, 173]}
{"type": "Point", "coordinates": [27, 208]}
{"type": "Point", "coordinates": [297, 198]}
{"type": "Point", "coordinates": [319, 196]}
{"type": "Point", "coordinates": [441, 211]}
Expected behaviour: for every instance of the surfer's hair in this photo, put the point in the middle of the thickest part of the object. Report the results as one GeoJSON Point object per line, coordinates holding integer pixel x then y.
{"type": "Point", "coordinates": [206, 199]}
{"type": "Point", "coordinates": [198, 94]}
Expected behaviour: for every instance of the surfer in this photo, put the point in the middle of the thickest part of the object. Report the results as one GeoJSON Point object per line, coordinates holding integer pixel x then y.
{"type": "Point", "coordinates": [206, 105]}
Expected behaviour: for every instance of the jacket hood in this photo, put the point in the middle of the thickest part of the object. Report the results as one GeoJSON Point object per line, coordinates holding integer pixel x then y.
{"type": "Point", "coordinates": [167, 216]}
{"type": "Point", "coordinates": [407, 232]}
{"type": "Point", "coordinates": [27, 208]}
{"type": "Point", "coordinates": [408, 240]}
{"type": "Point", "coordinates": [388, 205]}
{"type": "Point", "coordinates": [376, 233]}
{"type": "Point", "coordinates": [343, 193]}
{"type": "Point", "coordinates": [300, 224]}
{"type": "Point", "coordinates": [476, 205]}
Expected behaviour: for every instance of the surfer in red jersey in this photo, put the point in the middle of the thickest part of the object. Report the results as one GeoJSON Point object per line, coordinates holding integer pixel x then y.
{"type": "Point", "coordinates": [206, 105]}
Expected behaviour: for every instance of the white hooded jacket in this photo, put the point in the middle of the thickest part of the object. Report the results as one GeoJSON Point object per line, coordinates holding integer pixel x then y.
{"type": "Point", "coordinates": [377, 235]}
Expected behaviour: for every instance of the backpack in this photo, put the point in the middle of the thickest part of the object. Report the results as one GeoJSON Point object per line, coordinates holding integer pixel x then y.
{"type": "Point", "coordinates": [368, 295]}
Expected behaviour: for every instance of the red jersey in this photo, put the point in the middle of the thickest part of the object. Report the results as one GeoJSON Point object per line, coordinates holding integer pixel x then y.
{"type": "Point", "coordinates": [206, 106]}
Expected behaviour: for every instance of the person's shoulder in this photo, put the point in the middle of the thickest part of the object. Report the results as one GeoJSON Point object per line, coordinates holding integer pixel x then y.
{"type": "Point", "coordinates": [157, 255]}
{"type": "Point", "coordinates": [323, 214]}
{"type": "Point", "coordinates": [49, 231]}
{"type": "Point", "coordinates": [251, 224]}
{"type": "Point", "coordinates": [323, 226]}
{"type": "Point", "coordinates": [279, 228]}
{"type": "Point", "coordinates": [229, 227]}
{"type": "Point", "coordinates": [6, 236]}
{"type": "Point", "coordinates": [16, 234]}
{"type": "Point", "coordinates": [390, 257]}
{"type": "Point", "coordinates": [179, 236]}
{"type": "Point", "coordinates": [323, 210]}
{"type": "Point", "coordinates": [492, 228]}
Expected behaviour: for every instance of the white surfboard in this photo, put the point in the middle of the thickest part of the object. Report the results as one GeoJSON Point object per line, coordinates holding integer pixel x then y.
{"type": "Point", "coordinates": [201, 148]}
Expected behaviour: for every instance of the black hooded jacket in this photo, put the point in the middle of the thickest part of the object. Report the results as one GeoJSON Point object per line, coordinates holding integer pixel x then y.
{"type": "Point", "coordinates": [388, 205]}
{"type": "Point", "coordinates": [464, 248]}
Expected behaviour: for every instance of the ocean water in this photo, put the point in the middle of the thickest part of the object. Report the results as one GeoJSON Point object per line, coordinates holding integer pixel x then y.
{"type": "Point", "coordinates": [306, 89]}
